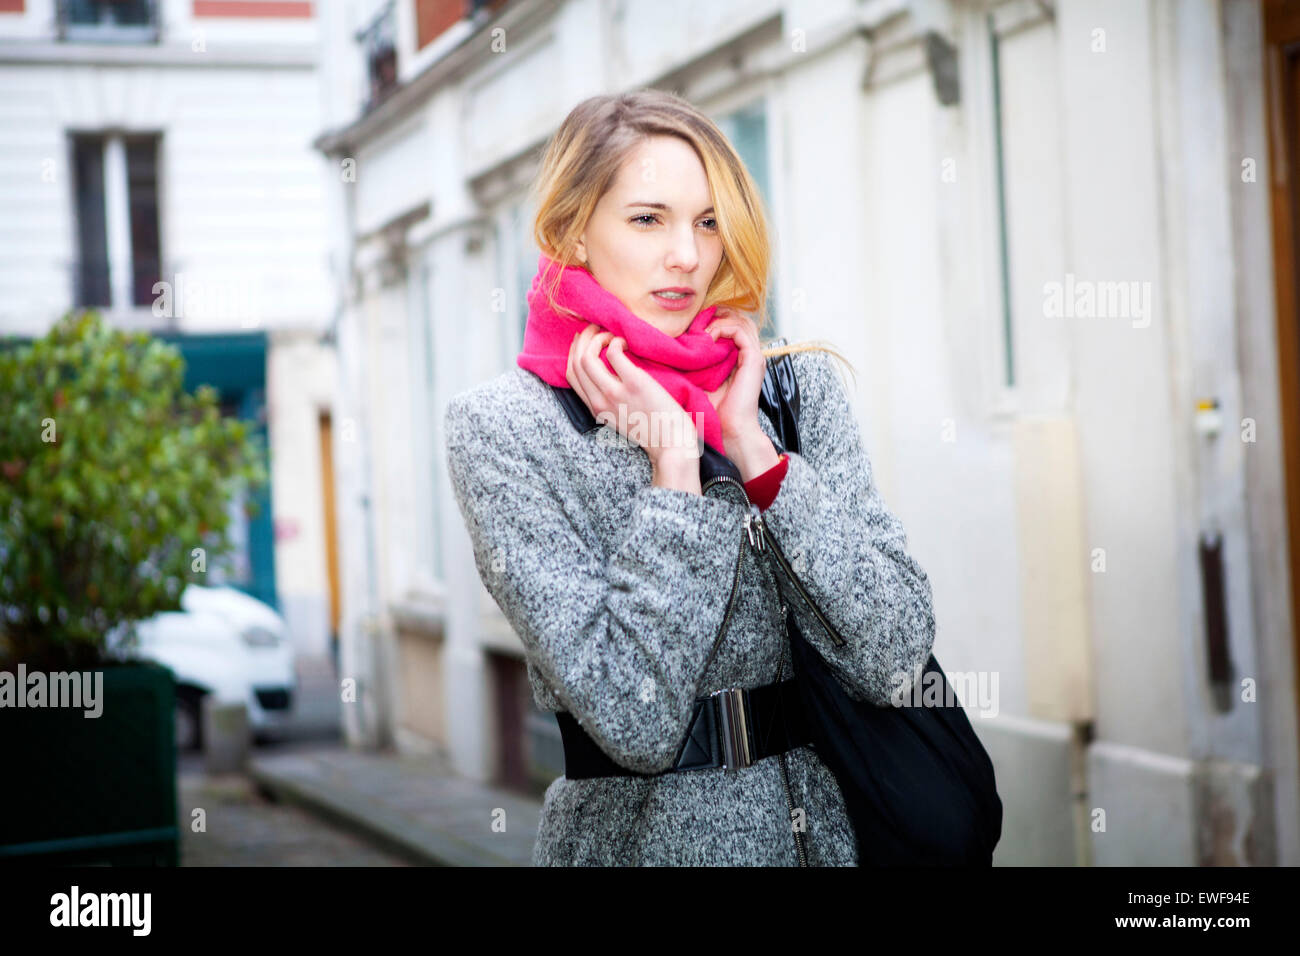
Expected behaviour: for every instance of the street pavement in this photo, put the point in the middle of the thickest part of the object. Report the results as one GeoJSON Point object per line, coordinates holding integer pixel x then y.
{"type": "Point", "coordinates": [411, 805]}
{"type": "Point", "coordinates": [305, 799]}
{"type": "Point", "coordinates": [241, 827]}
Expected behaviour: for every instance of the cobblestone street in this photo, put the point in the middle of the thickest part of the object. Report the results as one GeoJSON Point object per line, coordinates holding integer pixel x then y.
{"type": "Point", "coordinates": [244, 828]}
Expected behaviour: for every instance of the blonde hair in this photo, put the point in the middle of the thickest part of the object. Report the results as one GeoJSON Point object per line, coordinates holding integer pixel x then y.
{"type": "Point", "coordinates": [582, 160]}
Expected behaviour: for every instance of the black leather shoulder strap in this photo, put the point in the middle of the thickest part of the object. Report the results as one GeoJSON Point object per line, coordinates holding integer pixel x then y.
{"type": "Point", "coordinates": [779, 399]}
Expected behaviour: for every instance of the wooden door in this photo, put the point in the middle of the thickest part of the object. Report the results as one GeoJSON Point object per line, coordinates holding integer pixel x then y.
{"type": "Point", "coordinates": [1282, 90]}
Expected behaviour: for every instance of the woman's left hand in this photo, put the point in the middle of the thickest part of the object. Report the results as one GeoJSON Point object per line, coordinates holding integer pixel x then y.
{"type": "Point", "coordinates": [736, 399]}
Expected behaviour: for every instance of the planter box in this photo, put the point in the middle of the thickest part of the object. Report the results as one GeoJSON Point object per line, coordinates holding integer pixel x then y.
{"type": "Point", "coordinates": [93, 790]}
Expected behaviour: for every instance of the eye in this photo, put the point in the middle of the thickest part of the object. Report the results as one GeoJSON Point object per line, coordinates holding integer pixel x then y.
{"type": "Point", "coordinates": [637, 219]}
{"type": "Point", "coordinates": [714, 227]}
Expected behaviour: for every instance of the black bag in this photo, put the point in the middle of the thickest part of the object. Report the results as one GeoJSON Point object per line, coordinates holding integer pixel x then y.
{"type": "Point", "coordinates": [917, 782]}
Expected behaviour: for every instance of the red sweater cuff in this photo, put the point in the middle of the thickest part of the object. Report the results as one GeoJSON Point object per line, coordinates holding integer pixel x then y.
{"type": "Point", "coordinates": [763, 489]}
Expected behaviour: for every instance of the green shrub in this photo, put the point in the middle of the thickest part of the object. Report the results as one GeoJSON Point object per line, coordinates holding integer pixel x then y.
{"type": "Point", "coordinates": [111, 476]}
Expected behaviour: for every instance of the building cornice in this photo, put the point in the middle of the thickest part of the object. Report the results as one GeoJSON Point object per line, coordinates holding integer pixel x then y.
{"type": "Point", "coordinates": [281, 56]}
{"type": "Point", "coordinates": [406, 99]}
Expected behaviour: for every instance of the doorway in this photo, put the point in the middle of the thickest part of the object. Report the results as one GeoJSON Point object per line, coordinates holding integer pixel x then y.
{"type": "Point", "coordinates": [1282, 92]}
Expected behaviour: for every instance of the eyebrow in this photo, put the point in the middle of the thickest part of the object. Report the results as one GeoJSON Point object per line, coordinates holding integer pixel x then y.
{"type": "Point", "coordinates": [659, 205]}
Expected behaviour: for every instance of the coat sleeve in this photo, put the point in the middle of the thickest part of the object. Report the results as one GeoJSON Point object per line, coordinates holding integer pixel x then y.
{"type": "Point", "coordinates": [621, 638]}
{"type": "Point", "coordinates": [846, 548]}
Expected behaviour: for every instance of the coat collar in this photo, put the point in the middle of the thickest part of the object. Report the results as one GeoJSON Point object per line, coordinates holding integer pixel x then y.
{"type": "Point", "coordinates": [713, 464]}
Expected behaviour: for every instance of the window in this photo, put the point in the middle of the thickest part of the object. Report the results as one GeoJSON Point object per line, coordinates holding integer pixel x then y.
{"type": "Point", "coordinates": [142, 201]}
{"type": "Point", "coordinates": [379, 47]}
{"type": "Point", "coordinates": [1015, 82]}
{"type": "Point", "coordinates": [746, 128]}
{"type": "Point", "coordinates": [112, 21]}
{"type": "Point", "coordinates": [525, 254]}
{"type": "Point", "coordinates": [516, 264]}
{"type": "Point", "coordinates": [427, 437]}
{"type": "Point", "coordinates": [1000, 174]}
{"type": "Point", "coordinates": [116, 202]}
{"type": "Point", "coordinates": [92, 235]}
{"type": "Point", "coordinates": [234, 567]}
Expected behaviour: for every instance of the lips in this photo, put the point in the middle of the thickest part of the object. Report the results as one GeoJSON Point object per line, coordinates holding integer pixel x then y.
{"type": "Point", "coordinates": [674, 303]}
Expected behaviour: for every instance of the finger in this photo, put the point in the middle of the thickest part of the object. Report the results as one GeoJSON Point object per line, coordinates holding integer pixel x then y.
{"type": "Point", "coordinates": [625, 372]}
{"type": "Point", "coordinates": [609, 344]}
{"type": "Point", "coordinates": [617, 356]}
{"type": "Point", "coordinates": [629, 373]}
{"type": "Point", "coordinates": [597, 371]}
{"type": "Point", "coordinates": [580, 373]}
{"type": "Point", "coordinates": [750, 364]}
{"type": "Point", "coordinates": [583, 338]}
{"type": "Point", "coordinates": [575, 349]}
{"type": "Point", "coordinates": [596, 398]}
{"type": "Point", "coordinates": [572, 375]}
{"type": "Point", "coordinates": [716, 325]}
{"type": "Point", "coordinates": [721, 323]}
{"type": "Point", "coordinates": [582, 385]}
{"type": "Point", "coordinates": [737, 332]}
{"type": "Point", "coordinates": [579, 384]}
{"type": "Point", "coordinates": [749, 332]}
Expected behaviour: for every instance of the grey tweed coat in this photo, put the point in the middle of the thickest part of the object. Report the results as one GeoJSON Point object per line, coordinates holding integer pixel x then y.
{"type": "Point", "coordinates": [618, 590]}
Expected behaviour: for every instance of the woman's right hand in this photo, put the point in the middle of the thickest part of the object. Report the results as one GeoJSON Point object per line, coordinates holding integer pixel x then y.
{"type": "Point", "coordinates": [650, 417]}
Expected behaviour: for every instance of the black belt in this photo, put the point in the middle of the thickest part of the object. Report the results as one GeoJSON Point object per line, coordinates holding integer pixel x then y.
{"type": "Point", "coordinates": [730, 729]}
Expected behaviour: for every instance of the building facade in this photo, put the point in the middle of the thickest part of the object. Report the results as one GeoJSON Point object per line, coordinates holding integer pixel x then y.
{"type": "Point", "coordinates": [1042, 232]}
{"type": "Point", "coordinates": [160, 169]}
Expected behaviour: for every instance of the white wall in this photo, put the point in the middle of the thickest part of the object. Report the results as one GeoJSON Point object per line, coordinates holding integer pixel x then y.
{"type": "Point", "coordinates": [301, 378]}
{"type": "Point", "coordinates": [887, 244]}
{"type": "Point", "coordinates": [241, 198]}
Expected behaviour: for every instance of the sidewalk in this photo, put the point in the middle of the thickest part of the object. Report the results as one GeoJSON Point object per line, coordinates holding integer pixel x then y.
{"type": "Point", "coordinates": [409, 805]}
{"type": "Point", "coordinates": [244, 828]}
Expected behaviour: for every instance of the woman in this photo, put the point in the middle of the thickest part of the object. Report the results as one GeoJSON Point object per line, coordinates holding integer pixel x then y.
{"type": "Point", "coordinates": [638, 589]}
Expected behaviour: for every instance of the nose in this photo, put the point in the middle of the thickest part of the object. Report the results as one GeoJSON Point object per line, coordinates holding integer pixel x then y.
{"type": "Point", "coordinates": [683, 251]}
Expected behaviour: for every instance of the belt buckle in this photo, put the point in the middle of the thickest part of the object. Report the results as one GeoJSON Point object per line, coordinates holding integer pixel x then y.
{"type": "Point", "coordinates": [733, 724]}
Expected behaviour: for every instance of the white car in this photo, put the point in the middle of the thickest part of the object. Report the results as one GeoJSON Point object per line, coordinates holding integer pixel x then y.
{"type": "Point", "coordinates": [224, 643]}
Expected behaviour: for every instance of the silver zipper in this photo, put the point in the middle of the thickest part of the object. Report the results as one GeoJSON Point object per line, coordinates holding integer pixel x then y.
{"type": "Point", "coordinates": [766, 536]}
{"type": "Point", "coordinates": [735, 581]}
{"type": "Point", "coordinates": [757, 536]}
{"type": "Point", "coordinates": [753, 521]}
{"type": "Point", "coordinates": [755, 529]}
{"type": "Point", "coordinates": [735, 585]}
{"type": "Point", "coordinates": [710, 482]}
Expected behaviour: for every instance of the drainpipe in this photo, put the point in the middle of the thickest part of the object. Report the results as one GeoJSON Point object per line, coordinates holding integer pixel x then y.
{"type": "Point", "coordinates": [363, 655]}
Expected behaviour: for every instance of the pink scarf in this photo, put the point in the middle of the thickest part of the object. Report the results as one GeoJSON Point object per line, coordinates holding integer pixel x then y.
{"type": "Point", "coordinates": [688, 366]}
